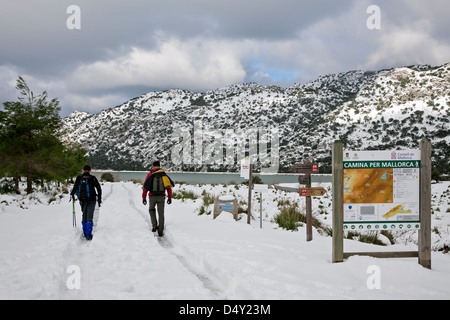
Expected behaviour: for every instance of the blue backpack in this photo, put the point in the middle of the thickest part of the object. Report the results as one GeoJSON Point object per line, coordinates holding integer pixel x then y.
{"type": "Point", "coordinates": [83, 188]}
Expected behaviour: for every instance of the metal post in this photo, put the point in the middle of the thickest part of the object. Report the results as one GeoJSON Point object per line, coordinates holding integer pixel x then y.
{"type": "Point", "coordinates": [260, 211]}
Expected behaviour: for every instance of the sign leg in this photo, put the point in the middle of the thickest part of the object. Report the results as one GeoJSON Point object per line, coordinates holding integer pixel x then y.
{"type": "Point", "coordinates": [425, 205]}
{"type": "Point", "coordinates": [338, 202]}
{"type": "Point", "coordinates": [308, 212]}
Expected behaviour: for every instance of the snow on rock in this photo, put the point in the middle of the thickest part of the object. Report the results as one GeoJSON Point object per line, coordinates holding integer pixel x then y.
{"type": "Point", "coordinates": [387, 109]}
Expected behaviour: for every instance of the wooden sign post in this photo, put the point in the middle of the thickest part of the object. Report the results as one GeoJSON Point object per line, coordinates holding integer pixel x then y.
{"type": "Point", "coordinates": [425, 204]}
{"type": "Point", "coordinates": [307, 167]}
{"type": "Point", "coordinates": [338, 202]}
{"type": "Point", "coordinates": [246, 173]}
{"type": "Point", "coordinates": [401, 199]}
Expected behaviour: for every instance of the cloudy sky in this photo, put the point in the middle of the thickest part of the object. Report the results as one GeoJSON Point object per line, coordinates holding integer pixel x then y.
{"type": "Point", "coordinates": [123, 49]}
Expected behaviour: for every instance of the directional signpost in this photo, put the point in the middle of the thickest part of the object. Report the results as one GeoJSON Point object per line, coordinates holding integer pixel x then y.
{"type": "Point", "coordinates": [312, 192]}
{"type": "Point", "coordinates": [304, 179]}
{"type": "Point", "coordinates": [306, 169]}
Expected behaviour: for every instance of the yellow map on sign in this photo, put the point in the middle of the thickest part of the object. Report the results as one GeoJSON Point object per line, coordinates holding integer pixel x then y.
{"type": "Point", "coordinates": [368, 185]}
{"type": "Point", "coordinates": [396, 210]}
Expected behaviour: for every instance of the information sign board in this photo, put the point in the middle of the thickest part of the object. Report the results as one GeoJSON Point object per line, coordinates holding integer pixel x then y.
{"type": "Point", "coordinates": [381, 190]}
{"type": "Point", "coordinates": [304, 179]}
{"type": "Point", "coordinates": [225, 205]}
{"type": "Point", "coordinates": [261, 188]}
{"type": "Point", "coordinates": [245, 168]}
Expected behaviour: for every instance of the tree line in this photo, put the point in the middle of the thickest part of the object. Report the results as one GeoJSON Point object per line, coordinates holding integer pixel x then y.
{"type": "Point", "coordinates": [30, 140]}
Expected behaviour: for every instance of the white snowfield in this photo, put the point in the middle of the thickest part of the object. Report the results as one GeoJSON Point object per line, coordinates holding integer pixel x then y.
{"type": "Point", "coordinates": [43, 257]}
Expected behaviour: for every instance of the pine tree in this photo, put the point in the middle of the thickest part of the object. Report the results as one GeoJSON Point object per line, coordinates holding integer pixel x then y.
{"type": "Point", "coordinates": [30, 134]}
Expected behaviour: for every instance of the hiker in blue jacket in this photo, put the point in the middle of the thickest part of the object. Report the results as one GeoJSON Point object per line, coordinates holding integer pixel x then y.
{"type": "Point", "coordinates": [88, 190]}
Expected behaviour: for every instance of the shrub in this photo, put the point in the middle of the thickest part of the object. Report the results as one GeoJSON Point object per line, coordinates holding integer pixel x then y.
{"type": "Point", "coordinates": [107, 176]}
{"type": "Point", "coordinates": [208, 200]}
{"type": "Point", "coordinates": [367, 237]}
{"type": "Point", "coordinates": [6, 187]}
{"type": "Point", "coordinates": [183, 194]}
{"type": "Point", "coordinates": [289, 217]}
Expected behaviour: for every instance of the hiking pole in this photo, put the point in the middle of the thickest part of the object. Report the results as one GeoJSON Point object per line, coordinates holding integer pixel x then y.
{"type": "Point", "coordinates": [74, 217]}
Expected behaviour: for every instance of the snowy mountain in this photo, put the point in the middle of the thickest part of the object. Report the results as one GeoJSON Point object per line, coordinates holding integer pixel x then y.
{"type": "Point", "coordinates": [387, 109]}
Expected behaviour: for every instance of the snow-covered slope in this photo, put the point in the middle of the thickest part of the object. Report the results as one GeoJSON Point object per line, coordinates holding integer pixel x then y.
{"type": "Point", "coordinates": [44, 257]}
{"type": "Point", "coordinates": [387, 109]}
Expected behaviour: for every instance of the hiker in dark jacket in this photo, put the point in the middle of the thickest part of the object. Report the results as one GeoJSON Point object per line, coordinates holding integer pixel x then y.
{"type": "Point", "coordinates": [88, 190]}
{"type": "Point", "coordinates": [157, 195]}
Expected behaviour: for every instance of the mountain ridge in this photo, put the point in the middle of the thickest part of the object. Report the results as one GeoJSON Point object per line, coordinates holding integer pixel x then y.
{"type": "Point", "coordinates": [387, 109]}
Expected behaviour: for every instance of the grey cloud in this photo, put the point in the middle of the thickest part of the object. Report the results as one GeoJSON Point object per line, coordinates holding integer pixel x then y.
{"type": "Point", "coordinates": [127, 46]}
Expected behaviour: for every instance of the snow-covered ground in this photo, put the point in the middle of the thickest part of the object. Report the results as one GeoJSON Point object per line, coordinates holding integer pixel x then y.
{"type": "Point", "coordinates": [42, 256]}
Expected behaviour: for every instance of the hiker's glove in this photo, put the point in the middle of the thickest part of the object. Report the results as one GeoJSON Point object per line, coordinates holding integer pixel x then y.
{"type": "Point", "coordinates": [144, 201]}
{"type": "Point", "coordinates": [99, 202]}
{"type": "Point", "coordinates": [169, 201]}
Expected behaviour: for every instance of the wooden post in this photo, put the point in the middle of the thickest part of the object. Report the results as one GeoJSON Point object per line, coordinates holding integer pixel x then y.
{"type": "Point", "coordinates": [425, 204]}
{"type": "Point", "coordinates": [250, 193]}
{"type": "Point", "coordinates": [308, 211]}
{"type": "Point", "coordinates": [338, 202]}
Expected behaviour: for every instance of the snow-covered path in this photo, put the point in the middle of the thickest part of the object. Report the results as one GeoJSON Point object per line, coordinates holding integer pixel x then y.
{"type": "Point", "coordinates": [126, 261]}
{"type": "Point", "coordinates": [198, 258]}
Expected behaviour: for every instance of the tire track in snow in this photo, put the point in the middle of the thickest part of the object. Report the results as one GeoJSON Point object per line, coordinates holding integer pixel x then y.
{"type": "Point", "coordinates": [165, 243]}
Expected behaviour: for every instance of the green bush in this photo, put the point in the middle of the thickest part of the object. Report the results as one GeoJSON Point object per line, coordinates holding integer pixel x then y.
{"type": "Point", "coordinates": [183, 194]}
{"type": "Point", "coordinates": [208, 200]}
{"type": "Point", "coordinates": [107, 176]}
{"type": "Point", "coordinates": [367, 237]}
{"type": "Point", "coordinates": [289, 217]}
{"type": "Point", "coordinates": [6, 187]}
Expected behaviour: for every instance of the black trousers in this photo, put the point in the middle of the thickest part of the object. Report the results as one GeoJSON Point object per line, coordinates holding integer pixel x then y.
{"type": "Point", "coordinates": [87, 207]}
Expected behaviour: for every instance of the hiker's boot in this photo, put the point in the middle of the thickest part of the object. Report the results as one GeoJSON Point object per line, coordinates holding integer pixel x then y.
{"type": "Point", "coordinates": [88, 233]}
